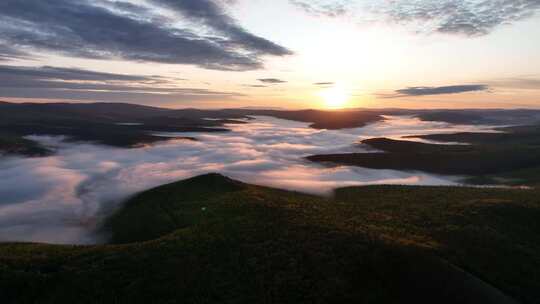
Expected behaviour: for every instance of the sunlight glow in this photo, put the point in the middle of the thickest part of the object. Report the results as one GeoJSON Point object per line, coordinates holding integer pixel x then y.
{"type": "Point", "coordinates": [335, 97]}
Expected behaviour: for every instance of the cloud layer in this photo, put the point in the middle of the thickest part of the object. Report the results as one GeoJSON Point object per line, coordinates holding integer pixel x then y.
{"type": "Point", "coordinates": [524, 83]}
{"type": "Point", "coordinates": [106, 29]}
{"type": "Point", "coordinates": [64, 198]}
{"type": "Point", "coordinates": [8, 53]}
{"type": "Point", "coordinates": [328, 8]}
{"type": "Point", "coordinates": [211, 14]}
{"type": "Point", "coordinates": [464, 17]}
{"type": "Point", "coordinates": [77, 84]}
{"type": "Point", "coordinates": [456, 17]}
{"type": "Point", "coordinates": [271, 80]}
{"type": "Point", "coordinates": [455, 89]}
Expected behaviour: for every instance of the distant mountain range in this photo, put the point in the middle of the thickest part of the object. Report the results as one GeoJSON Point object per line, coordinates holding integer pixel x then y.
{"type": "Point", "coordinates": [129, 125]}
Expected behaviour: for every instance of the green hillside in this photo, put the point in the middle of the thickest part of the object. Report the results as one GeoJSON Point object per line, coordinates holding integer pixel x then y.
{"type": "Point", "coordinates": [211, 239]}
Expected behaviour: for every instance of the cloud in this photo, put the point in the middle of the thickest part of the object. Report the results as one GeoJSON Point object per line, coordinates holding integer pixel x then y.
{"type": "Point", "coordinates": [113, 30]}
{"type": "Point", "coordinates": [328, 8]}
{"type": "Point", "coordinates": [65, 197]}
{"type": "Point", "coordinates": [272, 80]}
{"type": "Point", "coordinates": [524, 83]}
{"type": "Point", "coordinates": [425, 91]}
{"type": "Point", "coordinates": [212, 14]}
{"type": "Point", "coordinates": [456, 17]}
{"type": "Point", "coordinates": [126, 8]}
{"type": "Point", "coordinates": [59, 73]}
{"type": "Point", "coordinates": [10, 53]}
{"type": "Point", "coordinates": [255, 85]}
{"type": "Point", "coordinates": [465, 17]}
{"type": "Point", "coordinates": [77, 84]}
{"type": "Point", "coordinates": [324, 83]}
{"type": "Point", "coordinates": [519, 83]}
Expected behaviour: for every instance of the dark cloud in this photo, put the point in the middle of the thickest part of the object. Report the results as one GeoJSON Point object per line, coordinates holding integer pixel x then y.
{"type": "Point", "coordinates": [76, 84]}
{"type": "Point", "coordinates": [328, 8]}
{"type": "Point", "coordinates": [212, 14]}
{"type": "Point", "coordinates": [324, 83]}
{"type": "Point", "coordinates": [271, 80]}
{"type": "Point", "coordinates": [48, 72]}
{"type": "Point", "coordinates": [112, 30]}
{"type": "Point", "coordinates": [9, 53]}
{"type": "Point", "coordinates": [470, 18]}
{"type": "Point", "coordinates": [420, 91]}
{"type": "Point", "coordinates": [455, 89]}
{"type": "Point", "coordinates": [125, 8]}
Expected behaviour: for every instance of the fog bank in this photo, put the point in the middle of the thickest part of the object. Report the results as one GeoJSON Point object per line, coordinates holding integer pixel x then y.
{"type": "Point", "coordinates": [63, 198]}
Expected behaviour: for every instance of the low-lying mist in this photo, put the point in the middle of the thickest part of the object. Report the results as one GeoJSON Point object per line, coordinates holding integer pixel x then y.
{"type": "Point", "coordinates": [64, 198]}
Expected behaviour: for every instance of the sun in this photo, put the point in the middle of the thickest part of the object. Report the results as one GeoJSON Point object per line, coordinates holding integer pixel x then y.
{"type": "Point", "coordinates": [335, 97]}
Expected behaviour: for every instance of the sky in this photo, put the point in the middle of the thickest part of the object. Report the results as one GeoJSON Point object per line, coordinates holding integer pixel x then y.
{"type": "Point", "coordinates": [281, 53]}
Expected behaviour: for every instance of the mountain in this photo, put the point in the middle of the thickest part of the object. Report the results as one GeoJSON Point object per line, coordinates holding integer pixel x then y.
{"type": "Point", "coordinates": [211, 239]}
{"type": "Point", "coordinates": [121, 125]}
{"type": "Point", "coordinates": [511, 157]}
{"type": "Point", "coordinates": [130, 125]}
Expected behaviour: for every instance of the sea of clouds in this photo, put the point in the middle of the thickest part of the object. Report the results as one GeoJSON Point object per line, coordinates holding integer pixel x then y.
{"type": "Point", "coordinates": [65, 197]}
